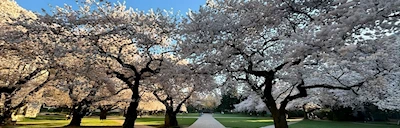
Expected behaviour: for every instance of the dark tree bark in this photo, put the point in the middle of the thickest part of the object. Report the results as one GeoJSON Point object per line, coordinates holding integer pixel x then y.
{"type": "Point", "coordinates": [170, 114]}
{"type": "Point", "coordinates": [278, 114]}
{"type": "Point", "coordinates": [104, 109]}
{"type": "Point", "coordinates": [103, 114]}
{"type": "Point", "coordinates": [6, 119]}
{"type": "Point", "coordinates": [77, 114]}
{"type": "Point", "coordinates": [131, 114]}
{"type": "Point", "coordinates": [279, 117]}
{"type": "Point", "coordinates": [170, 118]}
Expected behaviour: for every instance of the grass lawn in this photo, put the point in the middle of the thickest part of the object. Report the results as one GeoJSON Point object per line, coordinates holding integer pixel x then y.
{"type": "Point", "coordinates": [217, 115]}
{"type": "Point", "coordinates": [242, 120]}
{"type": "Point", "coordinates": [188, 114]}
{"type": "Point", "coordinates": [335, 124]}
{"type": "Point", "coordinates": [149, 121]}
{"type": "Point", "coordinates": [94, 121]}
{"type": "Point", "coordinates": [246, 122]}
{"type": "Point", "coordinates": [232, 115]}
{"type": "Point", "coordinates": [59, 121]}
{"type": "Point", "coordinates": [194, 115]}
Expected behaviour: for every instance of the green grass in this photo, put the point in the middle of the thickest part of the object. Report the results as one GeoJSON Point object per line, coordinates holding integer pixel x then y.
{"type": "Point", "coordinates": [94, 121]}
{"type": "Point", "coordinates": [54, 121]}
{"type": "Point", "coordinates": [245, 122]}
{"type": "Point", "coordinates": [188, 114]}
{"type": "Point", "coordinates": [149, 121]}
{"type": "Point", "coordinates": [45, 117]}
{"type": "Point", "coordinates": [335, 124]}
{"type": "Point", "coordinates": [178, 115]}
{"type": "Point", "coordinates": [233, 115]}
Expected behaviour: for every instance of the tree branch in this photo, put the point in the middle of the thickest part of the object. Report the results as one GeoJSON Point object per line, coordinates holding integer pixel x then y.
{"type": "Point", "coordinates": [183, 101]}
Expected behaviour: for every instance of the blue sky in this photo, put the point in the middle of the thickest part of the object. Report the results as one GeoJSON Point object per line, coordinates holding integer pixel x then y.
{"type": "Point", "coordinates": [182, 5]}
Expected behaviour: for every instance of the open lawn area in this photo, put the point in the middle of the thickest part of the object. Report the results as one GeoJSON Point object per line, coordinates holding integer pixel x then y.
{"type": "Point", "coordinates": [217, 115]}
{"type": "Point", "coordinates": [335, 124]}
{"type": "Point", "coordinates": [190, 115]}
{"type": "Point", "coordinates": [94, 121]}
{"type": "Point", "coordinates": [149, 121]}
{"type": "Point", "coordinates": [259, 122]}
{"type": "Point", "coordinates": [245, 122]}
{"type": "Point", "coordinates": [242, 120]}
{"type": "Point", "coordinates": [59, 121]}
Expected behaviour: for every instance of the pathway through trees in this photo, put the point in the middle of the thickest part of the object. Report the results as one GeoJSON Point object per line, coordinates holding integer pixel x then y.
{"type": "Point", "coordinates": [206, 121]}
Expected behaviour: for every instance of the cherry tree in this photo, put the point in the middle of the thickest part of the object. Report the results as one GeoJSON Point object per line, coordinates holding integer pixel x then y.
{"type": "Point", "coordinates": [55, 97]}
{"type": "Point", "coordinates": [277, 45]}
{"type": "Point", "coordinates": [74, 73]}
{"type": "Point", "coordinates": [88, 91]}
{"type": "Point", "coordinates": [149, 103]}
{"type": "Point", "coordinates": [119, 100]}
{"type": "Point", "coordinates": [176, 83]}
{"type": "Point", "coordinates": [130, 43]}
{"type": "Point", "coordinates": [253, 103]}
{"type": "Point", "coordinates": [23, 70]}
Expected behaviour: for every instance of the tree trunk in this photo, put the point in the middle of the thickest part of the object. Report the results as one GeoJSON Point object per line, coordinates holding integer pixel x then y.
{"type": "Point", "coordinates": [6, 119]}
{"type": "Point", "coordinates": [103, 113]}
{"type": "Point", "coordinates": [77, 116]}
{"type": "Point", "coordinates": [279, 117]}
{"type": "Point", "coordinates": [170, 118]}
{"type": "Point", "coordinates": [131, 114]}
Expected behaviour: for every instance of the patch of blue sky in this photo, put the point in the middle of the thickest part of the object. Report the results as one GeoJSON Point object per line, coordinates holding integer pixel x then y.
{"type": "Point", "coordinates": [182, 6]}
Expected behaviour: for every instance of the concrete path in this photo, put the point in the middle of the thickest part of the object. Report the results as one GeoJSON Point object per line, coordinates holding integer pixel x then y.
{"type": "Point", "coordinates": [272, 126]}
{"type": "Point", "coordinates": [206, 121]}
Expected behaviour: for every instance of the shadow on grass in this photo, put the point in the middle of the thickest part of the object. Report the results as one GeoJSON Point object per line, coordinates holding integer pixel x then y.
{"type": "Point", "coordinates": [338, 124]}
{"type": "Point", "coordinates": [162, 126]}
{"type": "Point", "coordinates": [245, 122]}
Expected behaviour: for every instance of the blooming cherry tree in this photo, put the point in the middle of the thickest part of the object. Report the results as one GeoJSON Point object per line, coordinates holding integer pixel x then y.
{"type": "Point", "coordinates": [276, 45]}
{"type": "Point", "coordinates": [176, 83]}
{"type": "Point", "coordinates": [127, 43]}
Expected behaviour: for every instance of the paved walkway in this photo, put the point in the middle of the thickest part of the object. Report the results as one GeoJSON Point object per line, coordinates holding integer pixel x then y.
{"type": "Point", "coordinates": [272, 126]}
{"type": "Point", "coordinates": [206, 121]}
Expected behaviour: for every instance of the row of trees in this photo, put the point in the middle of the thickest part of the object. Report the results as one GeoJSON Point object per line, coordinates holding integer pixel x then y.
{"type": "Point", "coordinates": [285, 50]}
{"type": "Point", "coordinates": [94, 55]}
{"type": "Point", "coordinates": [281, 50]}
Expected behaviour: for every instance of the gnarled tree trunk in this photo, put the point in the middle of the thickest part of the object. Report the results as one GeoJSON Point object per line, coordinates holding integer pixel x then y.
{"type": "Point", "coordinates": [279, 117]}
{"type": "Point", "coordinates": [77, 115]}
{"type": "Point", "coordinates": [170, 118]}
{"type": "Point", "coordinates": [278, 114]}
{"type": "Point", "coordinates": [103, 114]}
{"type": "Point", "coordinates": [6, 119]}
{"type": "Point", "coordinates": [103, 111]}
{"type": "Point", "coordinates": [131, 114]}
